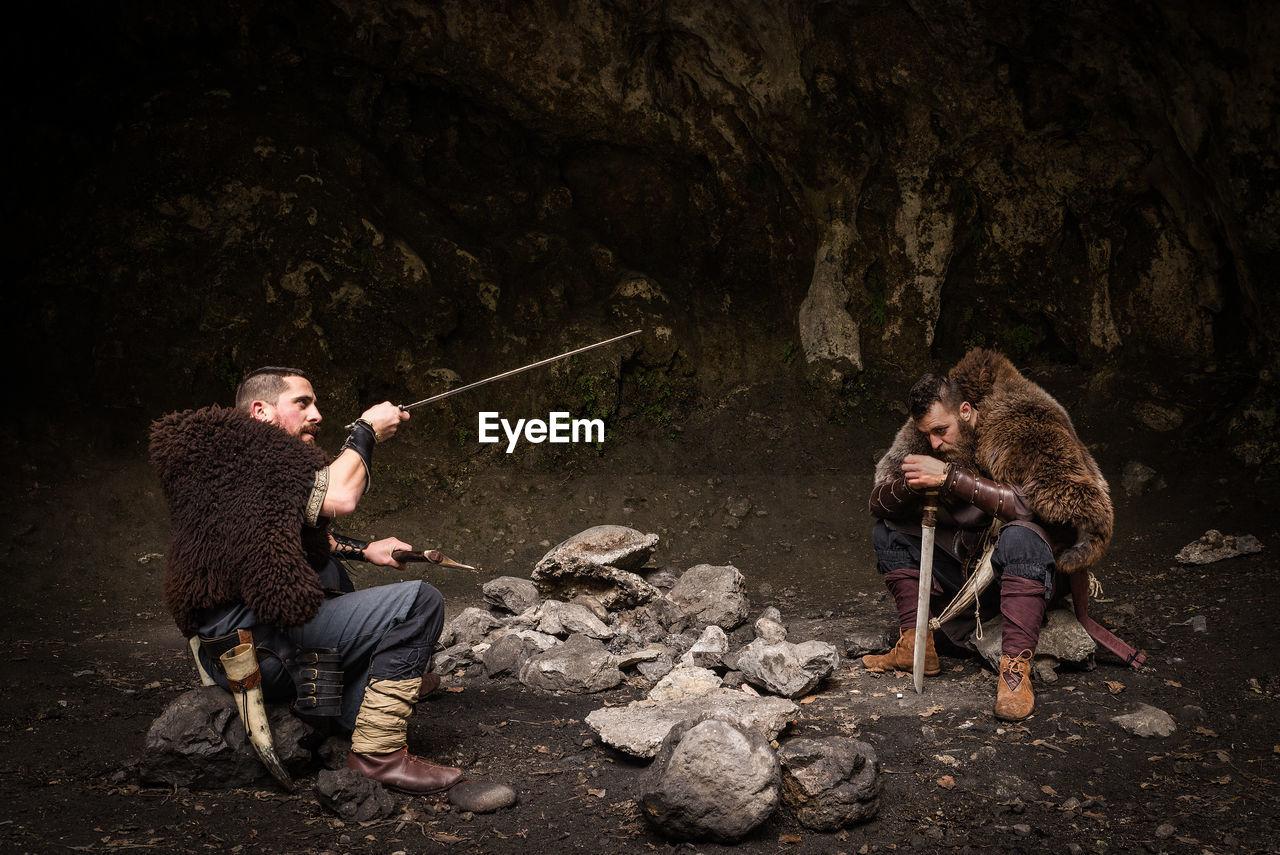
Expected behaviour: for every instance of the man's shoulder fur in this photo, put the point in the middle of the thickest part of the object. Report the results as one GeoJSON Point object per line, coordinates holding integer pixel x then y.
{"type": "Point", "coordinates": [1026, 437]}
{"type": "Point", "coordinates": [235, 489]}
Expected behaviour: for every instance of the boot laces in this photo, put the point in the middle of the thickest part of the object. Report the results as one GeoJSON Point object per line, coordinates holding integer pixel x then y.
{"type": "Point", "coordinates": [1013, 669]}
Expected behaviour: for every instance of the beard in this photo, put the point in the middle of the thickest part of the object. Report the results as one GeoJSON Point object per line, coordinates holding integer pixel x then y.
{"type": "Point", "coordinates": [308, 434]}
{"type": "Point", "coordinates": [964, 451]}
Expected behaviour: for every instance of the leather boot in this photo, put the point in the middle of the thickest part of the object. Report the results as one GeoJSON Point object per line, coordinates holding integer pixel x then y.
{"type": "Point", "coordinates": [902, 656]}
{"type": "Point", "coordinates": [401, 770]}
{"type": "Point", "coordinates": [379, 749]}
{"type": "Point", "coordinates": [1014, 698]}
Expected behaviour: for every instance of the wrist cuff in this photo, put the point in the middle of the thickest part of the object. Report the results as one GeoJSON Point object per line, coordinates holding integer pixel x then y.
{"type": "Point", "coordinates": [361, 439]}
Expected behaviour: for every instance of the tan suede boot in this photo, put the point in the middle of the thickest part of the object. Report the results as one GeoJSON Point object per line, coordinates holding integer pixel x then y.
{"type": "Point", "coordinates": [1014, 698]}
{"type": "Point", "coordinates": [902, 656]}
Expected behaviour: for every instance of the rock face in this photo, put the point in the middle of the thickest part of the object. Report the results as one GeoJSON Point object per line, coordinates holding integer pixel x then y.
{"type": "Point", "coordinates": [830, 783]}
{"type": "Point", "coordinates": [601, 562]}
{"type": "Point", "coordinates": [580, 665]}
{"type": "Point", "coordinates": [789, 670]}
{"type": "Point", "coordinates": [712, 780]}
{"type": "Point", "coordinates": [1143, 208]}
{"type": "Point", "coordinates": [639, 727]}
{"type": "Point", "coordinates": [711, 594]}
{"type": "Point", "coordinates": [199, 742]}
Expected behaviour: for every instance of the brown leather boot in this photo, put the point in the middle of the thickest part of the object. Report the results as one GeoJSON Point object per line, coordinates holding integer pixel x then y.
{"type": "Point", "coordinates": [1014, 698]}
{"type": "Point", "coordinates": [401, 770]}
{"type": "Point", "coordinates": [902, 656]}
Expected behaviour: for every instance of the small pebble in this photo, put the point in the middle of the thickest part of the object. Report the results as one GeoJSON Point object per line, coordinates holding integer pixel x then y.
{"type": "Point", "coordinates": [1164, 831]}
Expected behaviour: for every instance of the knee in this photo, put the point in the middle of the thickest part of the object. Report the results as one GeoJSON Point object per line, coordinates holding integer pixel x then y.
{"type": "Point", "coordinates": [1019, 545]}
{"type": "Point", "coordinates": [427, 600]}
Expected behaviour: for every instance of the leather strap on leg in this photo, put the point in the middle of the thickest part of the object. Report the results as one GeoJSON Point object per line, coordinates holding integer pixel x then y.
{"type": "Point", "coordinates": [1098, 632]}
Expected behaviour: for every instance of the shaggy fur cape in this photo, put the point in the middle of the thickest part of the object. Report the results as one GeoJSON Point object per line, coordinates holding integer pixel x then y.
{"type": "Point", "coordinates": [1025, 437]}
{"type": "Point", "coordinates": [236, 489]}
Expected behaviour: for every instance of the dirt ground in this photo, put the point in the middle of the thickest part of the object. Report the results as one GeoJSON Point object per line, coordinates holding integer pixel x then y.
{"type": "Point", "coordinates": [92, 658]}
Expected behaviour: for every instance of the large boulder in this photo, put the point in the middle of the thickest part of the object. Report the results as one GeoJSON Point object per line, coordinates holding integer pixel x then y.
{"type": "Point", "coordinates": [600, 561]}
{"type": "Point", "coordinates": [199, 742]}
{"type": "Point", "coordinates": [581, 665]}
{"type": "Point", "coordinates": [830, 783]}
{"type": "Point", "coordinates": [712, 595]}
{"type": "Point", "coordinates": [714, 779]}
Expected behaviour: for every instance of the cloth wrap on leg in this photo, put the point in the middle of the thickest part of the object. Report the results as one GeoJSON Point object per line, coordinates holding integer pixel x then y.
{"type": "Point", "coordinates": [382, 725]}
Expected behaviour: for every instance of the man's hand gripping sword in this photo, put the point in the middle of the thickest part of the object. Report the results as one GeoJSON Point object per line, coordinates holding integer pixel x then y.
{"type": "Point", "coordinates": [928, 527]}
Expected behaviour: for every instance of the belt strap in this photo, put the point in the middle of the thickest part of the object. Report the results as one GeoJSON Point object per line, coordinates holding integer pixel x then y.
{"type": "Point", "coordinates": [1098, 632]}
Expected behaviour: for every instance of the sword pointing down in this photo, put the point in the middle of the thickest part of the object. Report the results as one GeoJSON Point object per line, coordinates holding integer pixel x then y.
{"type": "Point", "coordinates": [928, 525]}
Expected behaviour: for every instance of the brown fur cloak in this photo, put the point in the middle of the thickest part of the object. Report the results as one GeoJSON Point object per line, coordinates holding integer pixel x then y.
{"type": "Point", "coordinates": [1025, 437]}
{"type": "Point", "coordinates": [236, 489]}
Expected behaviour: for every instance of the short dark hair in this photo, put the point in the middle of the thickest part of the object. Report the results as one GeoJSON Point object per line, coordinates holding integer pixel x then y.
{"type": "Point", "coordinates": [264, 384]}
{"type": "Point", "coordinates": [931, 389]}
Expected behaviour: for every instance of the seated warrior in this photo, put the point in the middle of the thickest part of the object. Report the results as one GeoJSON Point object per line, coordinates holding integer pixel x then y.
{"type": "Point", "coordinates": [250, 499]}
{"type": "Point", "coordinates": [991, 444]}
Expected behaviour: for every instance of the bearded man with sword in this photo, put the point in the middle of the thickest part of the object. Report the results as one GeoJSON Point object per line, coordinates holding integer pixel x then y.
{"type": "Point", "coordinates": [992, 445]}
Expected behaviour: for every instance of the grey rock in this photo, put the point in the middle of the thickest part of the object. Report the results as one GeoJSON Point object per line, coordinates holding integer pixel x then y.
{"type": "Point", "coordinates": [712, 780]}
{"type": "Point", "coordinates": [709, 649]}
{"type": "Point", "coordinates": [682, 682]}
{"type": "Point", "coordinates": [1146, 721]}
{"type": "Point", "coordinates": [786, 669]}
{"type": "Point", "coordinates": [657, 669]}
{"type": "Point", "coordinates": [1062, 639]}
{"type": "Point", "coordinates": [648, 653]}
{"type": "Point", "coordinates": [667, 614]}
{"type": "Point", "coordinates": [507, 655]}
{"type": "Point", "coordinates": [199, 742]}
{"type": "Point", "coordinates": [1139, 479]}
{"type": "Point", "coordinates": [712, 594]}
{"type": "Point", "coordinates": [770, 630]}
{"type": "Point", "coordinates": [1213, 545]}
{"type": "Point", "coordinates": [571, 619]}
{"type": "Point", "coordinates": [771, 613]}
{"type": "Point", "coordinates": [511, 593]}
{"type": "Point", "coordinates": [539, 639]}
{"type": "Point", "coordinates": [600, 561]}
{"type": "Point", "coordinates": [581, 665]}
{"type": "Point", "coordinates": [592, 605]}
{"type": "Point", "coordinates": [333, 752]}
{"type": "Point", "coordinates": [862, 643]}
{"type": "Point", "coordinates": [352, 796]}
{"type": "Point", "coordinates": [639, 727]}
{"type": "Point", "coordinates": [481, 796]}
{"type": "Point", "coordinates": [605, 545]}
{"type": "Point", "coordinates": [452, 658]}
{"type": "Point", "coordinates": [470, 626]}
{"type": "Point", "coordinates": [664, 579]}
{"type": "Point", "coordinates": [830, 783]}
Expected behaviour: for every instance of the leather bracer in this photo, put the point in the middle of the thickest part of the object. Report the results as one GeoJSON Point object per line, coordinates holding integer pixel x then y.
{"type": "Point", "coordinates": [349, 547]}
{"type": "Point", "coordinates": [893, 499]}
{"type": "Point", "coordinates": [991, 497]}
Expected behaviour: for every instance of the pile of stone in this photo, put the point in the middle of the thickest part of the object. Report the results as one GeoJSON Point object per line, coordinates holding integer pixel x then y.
{"type": "Point", "coordinates": [721, 687]}
{"type": "Point", "coordinates": [591, 615]}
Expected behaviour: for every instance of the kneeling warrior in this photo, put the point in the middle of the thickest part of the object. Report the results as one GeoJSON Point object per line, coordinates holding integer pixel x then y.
{"type": "Point", "coordinates": [992, 445]}
{"type": "Point", "coordinates": [251, 561]}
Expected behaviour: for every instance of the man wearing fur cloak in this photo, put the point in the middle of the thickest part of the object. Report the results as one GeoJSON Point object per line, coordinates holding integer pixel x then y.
{"type": "Point", "coordinates": [250, 499]}
{"type": "Point", "coordinates": [992, 444]}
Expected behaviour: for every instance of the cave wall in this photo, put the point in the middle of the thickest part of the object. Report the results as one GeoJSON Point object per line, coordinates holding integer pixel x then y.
{"type": "Point", "coordinates": [377, 189]}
